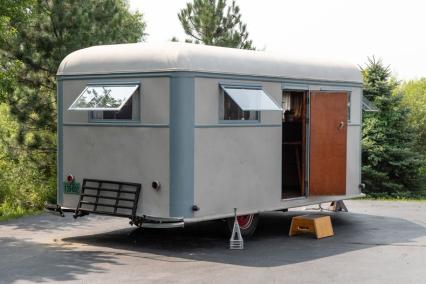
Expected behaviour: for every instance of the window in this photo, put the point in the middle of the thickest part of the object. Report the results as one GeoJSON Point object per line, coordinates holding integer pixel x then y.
{"type": "Point", "coordinates": [109, 102]}
{"type": "Point", "coordinates": [231, 111]}
{"type": "Point", "coordinates": [368, 106]}
{"type": "Point", "coordinates": [244, 103]}
{"type": "Point", "coordinates": [128, 112]}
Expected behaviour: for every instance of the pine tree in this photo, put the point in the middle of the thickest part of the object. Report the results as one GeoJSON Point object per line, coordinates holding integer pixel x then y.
{"type": "Point", "coordinates": [35, 35]}
{"type": "Point", "coordinates": [213, 22]}
{"type": "Point", "coordinates": [390, 163]}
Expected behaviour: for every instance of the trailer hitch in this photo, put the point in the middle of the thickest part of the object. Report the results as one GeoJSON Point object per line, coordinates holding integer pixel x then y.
{"type": "Point", "coordinates": [79, 213]}
{"type": "Point", "coordinates": [54, 209]}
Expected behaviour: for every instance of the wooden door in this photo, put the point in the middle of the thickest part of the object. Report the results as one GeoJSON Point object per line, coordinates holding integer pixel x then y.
{"type": "Point", "coordinates": [328, 134]}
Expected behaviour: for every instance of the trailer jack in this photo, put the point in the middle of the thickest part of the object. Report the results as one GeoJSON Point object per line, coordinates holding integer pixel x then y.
{"type": "Point", "coordinates": [338, 206]}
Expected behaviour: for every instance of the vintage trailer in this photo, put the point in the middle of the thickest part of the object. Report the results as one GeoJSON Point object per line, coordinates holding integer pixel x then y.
{"type": "Point", "coordinates": [172, 133]}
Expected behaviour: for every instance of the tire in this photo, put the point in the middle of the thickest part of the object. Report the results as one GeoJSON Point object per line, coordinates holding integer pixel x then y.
{"type": "Point", "coordinates": [248, 224]}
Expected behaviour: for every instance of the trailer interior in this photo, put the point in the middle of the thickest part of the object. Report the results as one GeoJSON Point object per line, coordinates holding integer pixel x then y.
{"type": "Point", "coordinates": [293, 144]}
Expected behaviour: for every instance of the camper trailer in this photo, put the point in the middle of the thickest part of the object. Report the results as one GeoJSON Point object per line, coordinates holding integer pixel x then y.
{"type": "Point", "coordinates": [168, 134]}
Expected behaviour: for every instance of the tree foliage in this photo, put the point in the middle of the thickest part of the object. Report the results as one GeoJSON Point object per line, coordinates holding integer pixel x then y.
{"type": "Point", "coordinates": [35, 35]}
{"type": "Point", "coordinates": [37, 40]}
{"type": "Point", "coordinates": [390, 162]}
{"type": "Point", "coordinates": [414, 97]}
{"type": "Point", "coordinates": [23, 186]}
{"type": "Point", "coordinates": [213, 22]}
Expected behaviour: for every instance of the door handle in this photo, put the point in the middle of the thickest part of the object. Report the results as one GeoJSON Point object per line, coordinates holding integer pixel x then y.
{"type": "Point", "coordinates": [341, 125]}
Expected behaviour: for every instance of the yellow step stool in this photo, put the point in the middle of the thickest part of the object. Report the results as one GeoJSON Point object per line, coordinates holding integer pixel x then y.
{"type": "Point", "coordinates": [317, 224]}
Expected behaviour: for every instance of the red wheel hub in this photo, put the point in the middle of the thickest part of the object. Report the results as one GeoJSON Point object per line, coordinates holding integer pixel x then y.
{"type": "Point", "coordinates": [245, 221]}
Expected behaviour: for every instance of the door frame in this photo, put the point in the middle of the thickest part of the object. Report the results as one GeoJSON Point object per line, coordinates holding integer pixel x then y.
{"type": "Point", "coordinates": [307, 93]}
{"type": "Point", "coordinates": [307, 143]}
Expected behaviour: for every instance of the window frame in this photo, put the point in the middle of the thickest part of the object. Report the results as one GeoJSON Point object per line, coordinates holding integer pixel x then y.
{"type": "Point", "coordinates": [349, 103]}
{"type": "Point", "coordinates": [136, 103]}
{"type": "Point", "coordinates": [222, 94]}
{"type": "Point", "coordinates": [367, 105]}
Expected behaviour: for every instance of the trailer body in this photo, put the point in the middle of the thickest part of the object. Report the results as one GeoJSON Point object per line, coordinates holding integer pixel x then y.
{"type": "Point", "coordinates": [199, 133]}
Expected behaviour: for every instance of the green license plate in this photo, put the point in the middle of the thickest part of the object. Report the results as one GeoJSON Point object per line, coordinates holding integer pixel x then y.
{"type": "Point", "coordinates": [72, 188]}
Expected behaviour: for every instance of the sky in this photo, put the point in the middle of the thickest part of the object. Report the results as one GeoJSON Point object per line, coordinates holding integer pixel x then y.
{"type": "Point", "coordinates": [349, 30]}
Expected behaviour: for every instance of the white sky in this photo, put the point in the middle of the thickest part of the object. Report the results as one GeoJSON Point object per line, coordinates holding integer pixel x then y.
{"type": "Point", "coordinates": [394, 30]}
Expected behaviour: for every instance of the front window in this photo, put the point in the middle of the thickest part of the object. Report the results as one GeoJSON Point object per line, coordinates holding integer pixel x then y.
{"type": "Point", "coordinates": [127, 112]}
{"type": "Point", "coordinates": [109, 102]}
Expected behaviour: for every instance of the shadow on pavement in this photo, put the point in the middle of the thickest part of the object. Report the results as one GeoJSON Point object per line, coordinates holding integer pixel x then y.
{"type": "Point", "coordinates": [208, 241]}
{"type": "Point", "coordinates": [269, 247]}
{"type": "Point", "coordinates": [48, 222]}
{"type": "Point", "coordinates": [25, 260]}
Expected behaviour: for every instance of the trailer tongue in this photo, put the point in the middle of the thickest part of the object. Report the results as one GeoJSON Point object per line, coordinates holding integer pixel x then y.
{"type": "Point", "coordinates": [107, 197]}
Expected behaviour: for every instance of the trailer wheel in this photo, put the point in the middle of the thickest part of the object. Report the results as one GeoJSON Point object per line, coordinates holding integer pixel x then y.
{"type": "Point", "coordinates": [248, 224]}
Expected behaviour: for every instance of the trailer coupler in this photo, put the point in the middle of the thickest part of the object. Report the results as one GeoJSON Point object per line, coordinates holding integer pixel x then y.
{"type": "Point", "coordinates": [54, 209]}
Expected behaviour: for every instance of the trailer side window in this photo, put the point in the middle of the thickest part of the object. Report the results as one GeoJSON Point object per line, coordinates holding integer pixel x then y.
{"type": "Point", "coordinates": [109, 102]}
{"type": "Point", "coordinates": [231, 111]}
{"type": "Point", "coordinates": [368, 106]}
{"type": "Point", "coordinates": [244, 103]}
{"type": "Point", "coordinates": [128, 112]}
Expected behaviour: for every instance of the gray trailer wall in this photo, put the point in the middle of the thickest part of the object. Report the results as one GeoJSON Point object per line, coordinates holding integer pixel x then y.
{"type": "Point", "coordinates": [239, 165]}
{"type": "Point", "coordinates": [124, 151]}
{"type": "Point", "coordinates": [230, 165]}
{"type": "Point", "coordinates": [236, 165]}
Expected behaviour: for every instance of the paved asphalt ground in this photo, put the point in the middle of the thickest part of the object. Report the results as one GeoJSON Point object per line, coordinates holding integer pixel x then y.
{"type": "Point", "coordinates": [377, 242]}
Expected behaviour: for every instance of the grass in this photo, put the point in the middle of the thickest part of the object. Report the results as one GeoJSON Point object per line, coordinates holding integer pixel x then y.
{"type": "Point", "coordinates": [394, 199]}
{"type": "Point", "coordinates": [8, 213]}
{"type": "Point", "coordinates": [421, 198]}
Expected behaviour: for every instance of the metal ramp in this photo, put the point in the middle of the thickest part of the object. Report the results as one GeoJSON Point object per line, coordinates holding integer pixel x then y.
{"type": "Point", "coordinates": [107, 197]}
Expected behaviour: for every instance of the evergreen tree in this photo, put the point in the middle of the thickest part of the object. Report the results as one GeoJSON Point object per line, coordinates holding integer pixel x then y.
{"type": "Point", "coordinates": [35, 35]}
{"type": "Point", "coordinates": [213, 22]}
{"type": "Point", "coordinates": [390, 163]}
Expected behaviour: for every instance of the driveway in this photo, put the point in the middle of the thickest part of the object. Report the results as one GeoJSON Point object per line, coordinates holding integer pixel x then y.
{"type": "Point", "coordinates": [376, 242]}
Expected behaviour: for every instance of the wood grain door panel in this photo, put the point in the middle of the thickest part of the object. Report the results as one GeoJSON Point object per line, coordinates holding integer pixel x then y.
{"type": "Point", "coordinates": [328, 135]}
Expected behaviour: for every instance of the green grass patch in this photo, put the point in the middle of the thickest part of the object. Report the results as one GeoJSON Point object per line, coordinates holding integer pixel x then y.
{"type": "Point", "coordinates": [8, 213]}
{"type": "Point", "coordinates": [393, 198]}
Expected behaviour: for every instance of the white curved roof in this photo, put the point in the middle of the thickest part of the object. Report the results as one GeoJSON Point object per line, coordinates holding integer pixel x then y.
{"type": "Point", "coordinates": [145, 57]}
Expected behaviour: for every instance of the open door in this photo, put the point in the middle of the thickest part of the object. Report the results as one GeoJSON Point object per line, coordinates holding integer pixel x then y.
{"type": "Point", "coordinates": [293, 144]}
{"type": "Point", "coordinates": [328, 134]}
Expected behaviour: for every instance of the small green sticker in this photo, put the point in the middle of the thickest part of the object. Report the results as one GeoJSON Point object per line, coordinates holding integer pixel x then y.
{"type": "Point", "coordinates": [72, 188]}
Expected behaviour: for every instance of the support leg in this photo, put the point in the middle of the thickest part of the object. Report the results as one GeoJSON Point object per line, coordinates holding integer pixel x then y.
{"type": "Point", "coordinates": [339, 206]}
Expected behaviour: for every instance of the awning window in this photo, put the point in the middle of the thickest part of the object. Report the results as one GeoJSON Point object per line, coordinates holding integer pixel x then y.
{"type": "Point", "coordinates": [104, 97]}
{"type": "Point", "coordinates": [251, 99]}
{"type": "Point", "coordinates": [368, 106]}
